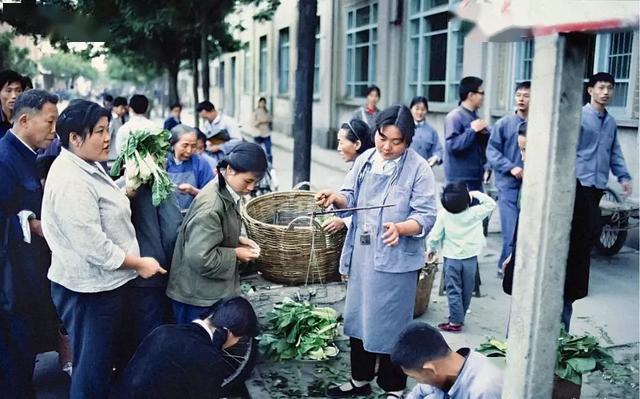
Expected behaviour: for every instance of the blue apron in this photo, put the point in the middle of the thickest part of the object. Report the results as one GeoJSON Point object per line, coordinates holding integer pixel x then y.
{"type": "Point", "coordinates": [178, 178]}
{"type": "Point", "coordinates": [379, 305]}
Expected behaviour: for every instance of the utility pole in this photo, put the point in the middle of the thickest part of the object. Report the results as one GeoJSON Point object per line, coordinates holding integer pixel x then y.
{"type": "Point", "coordinates": [303, 117]}
{"type": "Point", "coordinates": [547, 210]}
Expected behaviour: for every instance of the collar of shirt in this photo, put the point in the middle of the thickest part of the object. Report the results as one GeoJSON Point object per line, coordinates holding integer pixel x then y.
{"type": "Point", "coordinates": [22, 141]}
{"type": "Point", "coordinates": [378, 163]}
{"type": "Point", "coordinates": [460, 379]}
{"type": "Point", "coordinates": [371, 111]}
{"type": "Point", "coordinates": [89, 167]}
{"type": "Point", "coordinates": [421, 123]}
{"type": "Point", "coordinates": [236, 198]}
{"type": "Point", "coordinates": [204, 325]}
{"type": "Point", "coordinates": [601, 115]}
{"type": "Point", "coordinates": [218, 119]}
{"type": "Point", "coordinates": [467, 110]}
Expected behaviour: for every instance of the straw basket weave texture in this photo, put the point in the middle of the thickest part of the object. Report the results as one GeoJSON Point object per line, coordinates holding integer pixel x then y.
{"type": "Point", "coordinates": [286, 248]}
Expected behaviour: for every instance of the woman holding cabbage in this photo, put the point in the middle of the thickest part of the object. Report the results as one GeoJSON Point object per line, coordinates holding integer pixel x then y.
{"type": "Point", "coordinates": [86, 220]}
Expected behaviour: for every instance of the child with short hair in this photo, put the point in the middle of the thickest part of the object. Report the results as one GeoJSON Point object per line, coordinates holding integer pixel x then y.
{"type": "Point", "coordinates": [458, 235]}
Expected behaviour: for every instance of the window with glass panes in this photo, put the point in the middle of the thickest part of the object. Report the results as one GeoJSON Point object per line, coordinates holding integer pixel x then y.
{"type": "Point", "coordinates": [248, 76]}
{"type": "Point", "coordinates": [524, 60]}
{"type": "Point", "coordinates": [262, 72]}
{"type": "Point", "coordinates": [316, 62]}
{"type": "Point", "coordinates": [283, 61]}
{"type": "Point", "coordinates": [361, 49]}
{"type": "Point", "coordinates": [612, 53]}
{"type": "Point", "coordinates": [435, 51]}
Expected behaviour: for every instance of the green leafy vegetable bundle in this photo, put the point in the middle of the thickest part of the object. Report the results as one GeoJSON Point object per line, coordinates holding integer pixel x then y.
{"type": "Point", "coordinates": [576, 355]}
{"type": "Point", "coordinates": [300, 330]}
{"type": "Point", "coordinates": [143, 159]}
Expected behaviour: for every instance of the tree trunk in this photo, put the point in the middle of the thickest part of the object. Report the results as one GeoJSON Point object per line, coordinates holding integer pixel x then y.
{"type": "Point", "coordinates": [204, 57]}
{"type": "Point", "coordinates": [303, 117]}
{"type": "Point", "coordinates": [172, 79]}
{"type": "Point", "coordinates": [196, 84]}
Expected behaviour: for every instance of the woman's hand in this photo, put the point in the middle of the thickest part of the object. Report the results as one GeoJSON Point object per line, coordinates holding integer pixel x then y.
{"type": "Point", "coordinates": [246, 254]}
{"type": "Point", "coordinates": [326, 198]}
{"type": "Point", "coordinates": [187, 188]}
{"type": "Point", "coordinates": [333, 225]}
{"type": "Point", "coordinates": [391, 236]}
{"type": "Point", "coordinates": [148, 267]}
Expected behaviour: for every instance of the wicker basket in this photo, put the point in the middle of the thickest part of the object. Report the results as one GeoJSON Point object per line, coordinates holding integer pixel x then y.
{"type": "Point", "coordinates": [286, 246]}
{"type": "Point", "coordinates": [425, 284]}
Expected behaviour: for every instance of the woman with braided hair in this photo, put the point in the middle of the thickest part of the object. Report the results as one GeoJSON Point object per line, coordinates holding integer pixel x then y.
{"type": "Point", "coordinates": [209, 246]}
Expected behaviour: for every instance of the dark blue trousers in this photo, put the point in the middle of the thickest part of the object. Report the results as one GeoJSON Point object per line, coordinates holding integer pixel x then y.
{"type": "Point", "coordinates": [94, 322]}
{"type": "Point", "coordinates": [508, 204]}
{"type": "Point", "coordinates": [184, 313]}
{"type": "Point", "coordinates": [265, 142]}
{"type": "Point", "coordinates": [17, 357]}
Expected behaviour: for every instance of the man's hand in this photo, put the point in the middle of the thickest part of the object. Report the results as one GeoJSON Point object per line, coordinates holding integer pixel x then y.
{"type": "Point", "coordinates": [479, 126]}
{"type": "Point", "coordinates": [517, 172]}
{"type": "Point", "coordinates": [433, 161]}
{"type": "Point", "coordinates": [431, 257]}
{"type": "Point", "coordinates": [36, 227]}
{"type": "Point", "coordinates": [391, 236]}
{"type": "Point", "coordinates": [149, 267]}
{"type": "Point", "coordinates": [247, 242]}
{"type": "Point", "coordinates": [627, 188]}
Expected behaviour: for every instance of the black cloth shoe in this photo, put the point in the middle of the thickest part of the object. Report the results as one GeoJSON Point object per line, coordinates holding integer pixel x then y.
{"type": "Point", "coordinates": [336, 392]}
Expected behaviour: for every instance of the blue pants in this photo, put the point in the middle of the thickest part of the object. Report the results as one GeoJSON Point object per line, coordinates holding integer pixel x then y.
{"type": "Point", "coordinates": [183, 313]}
{"type": "Point", "coordinates": [17, 357]}
{"type": "Point", "coordinates": [94, 322]}
{"type": "Point", "coordinates": [508, 204]}
{"type": "Point", "coordinates": [459, 280]}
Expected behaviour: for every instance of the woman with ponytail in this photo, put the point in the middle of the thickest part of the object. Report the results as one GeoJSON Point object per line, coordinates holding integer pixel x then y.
{"type": "Point", "coordinates": [209, 246]}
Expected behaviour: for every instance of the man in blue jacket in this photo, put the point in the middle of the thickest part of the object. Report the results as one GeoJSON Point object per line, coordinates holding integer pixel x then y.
{"type": "Point", "coordinates": [598, 153]}
{"type": "Point", "coordinates": [28, 321]}
{"type": "Point", "coordinates": [504, 157]}
{"type": "Point", "coordinates": [466, 137]}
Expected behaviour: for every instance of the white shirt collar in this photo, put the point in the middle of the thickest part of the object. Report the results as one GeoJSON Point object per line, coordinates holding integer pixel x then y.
{"type": "Point", "coordinates": [218, 119]}
{"type": "Point", "coordinates": [234, 195]}
{"type": "Point", "coordinates": [22, 141]}
{"type": "Point", "coordinates": [204, 325]}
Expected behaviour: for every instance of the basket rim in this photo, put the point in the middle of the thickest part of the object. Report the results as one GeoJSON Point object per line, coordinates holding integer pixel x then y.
{"type": "Point", "coordinates": [250, 219]}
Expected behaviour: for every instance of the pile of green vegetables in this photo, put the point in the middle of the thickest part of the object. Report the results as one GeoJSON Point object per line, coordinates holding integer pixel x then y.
{"type": "Point", "coordinates": [300, 330]}
{"type": "Point", "coordinates": [143, 159]}
{"type": "Point", "coordinates": [576, 355]}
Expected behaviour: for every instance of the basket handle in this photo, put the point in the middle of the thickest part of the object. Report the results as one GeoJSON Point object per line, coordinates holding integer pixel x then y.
{"type": "Point", "coordinates": [315, 222]}
{"type": "Point", "coordinates": [299, 186]}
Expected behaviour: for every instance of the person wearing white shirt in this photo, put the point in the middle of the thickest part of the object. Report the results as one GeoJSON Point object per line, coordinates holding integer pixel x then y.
{"type": "Point", "coordinates": [139, 105]}
{"type": "Point", "coordinates": [215, 120]}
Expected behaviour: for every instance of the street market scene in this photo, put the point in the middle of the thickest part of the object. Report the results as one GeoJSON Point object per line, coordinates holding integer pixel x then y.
{"type": "Point", "coordinates": [390, 199]}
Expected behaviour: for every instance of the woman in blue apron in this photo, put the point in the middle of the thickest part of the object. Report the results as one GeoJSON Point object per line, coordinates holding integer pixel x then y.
{"type": "Point", "coordinates": [187, 170]}
{"type": "Point", "coordinates": [426, 141]}
{"type": "Point", "coordinates": [384, 249]}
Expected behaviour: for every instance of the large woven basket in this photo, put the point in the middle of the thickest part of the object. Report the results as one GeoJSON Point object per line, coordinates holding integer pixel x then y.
{"type": "Point", "coordinates": [286, 246]}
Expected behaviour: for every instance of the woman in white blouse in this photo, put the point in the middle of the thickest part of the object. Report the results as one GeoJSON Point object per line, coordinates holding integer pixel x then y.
{"type": "Point", "coordinates": [86, 221]}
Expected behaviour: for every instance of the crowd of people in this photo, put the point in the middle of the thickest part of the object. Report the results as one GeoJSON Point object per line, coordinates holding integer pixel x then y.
{"type": "Point", "coordinates": [140, 291]}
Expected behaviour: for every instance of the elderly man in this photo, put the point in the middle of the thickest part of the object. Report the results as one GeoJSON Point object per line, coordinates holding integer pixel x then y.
{"type": "Point", "coordinates": [28, 322]}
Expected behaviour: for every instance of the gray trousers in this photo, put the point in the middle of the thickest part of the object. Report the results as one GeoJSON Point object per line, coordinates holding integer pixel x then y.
{"type": "Point", "coordinates": [459, 280]}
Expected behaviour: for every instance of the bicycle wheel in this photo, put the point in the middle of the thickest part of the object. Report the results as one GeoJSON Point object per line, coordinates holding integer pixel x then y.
{"type": "Point", "coordinates": [614, 228]}
{"type": "Point", "coordinates": [239, 361]}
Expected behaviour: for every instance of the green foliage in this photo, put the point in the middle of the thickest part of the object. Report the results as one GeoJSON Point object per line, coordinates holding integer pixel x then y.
{"type": "Point", "coordinates": [576, 355]}
{"type": "Point", "coordinates": [120, 71]}
{"type": "Point", "coordinates": [143, 159]}
{"type": "Point", "coordinates": [68, 65]}
{"type": "Point", "coordinates": [15, 58]}
{"type": "Point", "coordinates": [300, 330]}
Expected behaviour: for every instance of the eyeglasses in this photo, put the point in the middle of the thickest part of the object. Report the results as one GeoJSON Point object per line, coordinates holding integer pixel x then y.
{"type": "Point", "coordinates": [479, 92]}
